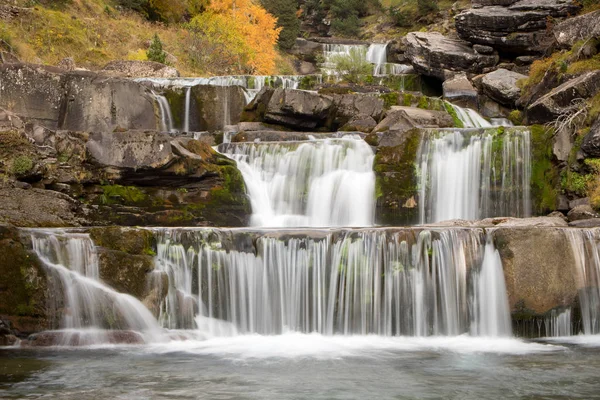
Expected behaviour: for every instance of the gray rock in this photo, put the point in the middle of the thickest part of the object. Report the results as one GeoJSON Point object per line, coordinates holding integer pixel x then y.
{"type": "Point", "coordinates": [550, 106]}
{"type": "Point", "coordinates": [402, 119]}
{"type": "Point", "coordinates": [484, 3]}
{"type": "Point", "coordinates": [501, 86]}
{"type": "Point", "coordinates": [350, 106]}
{"type": "Point", "coordinates": [518, 28]}
{"type": "Point", "coordinates": [8, 58]}
{"type": "Point", "coordinates": [460, 91]}
{"type": "Point", "coordinates": [360, 123]}
{"type": "Point", "coordinates": [586, 223]}
{"type": "Point", "coordinates": [583, 27]}
{"type": "Point", "coordinates": [215, 107]}
{"type": "Point", "coordinates": [579, 202]}
{"type": "Point", "coordinates": [481, 49]}
{"type": "Point", "coordinates": [525, 60]}
{"type": "Point", "coordinates": [582, 212]}
{"type": "Point", "coordinates": [139, 69]}
{"type": "Point", "coordinates": [307, 50]}
{"type": "Point", "coordinates": [591, 141]}
{"type": "Point", "coordinates": [67, 63]}
{"type": "Point", "coordinates": [433, 54]}
{"type": "Point", "coordinates": [132, 149]}
{"type": "Point", "coordinates": [298, 109]}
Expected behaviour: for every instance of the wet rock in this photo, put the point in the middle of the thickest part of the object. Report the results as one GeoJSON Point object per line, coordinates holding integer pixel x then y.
{"type": "Point", "coordinates": [131, 149]}
{"type": "Point", "coordinates": [83, 338]}
{"type": "Point", "coordinates": [215, 107]}
{"type": "Point", "coordinates": [502, 86]}
{"type": "Point", "coordinates": [460, 91]}
{"type": "Point", "coordinates": [400, 118]}
{"type": "Point", "coordinates": [298, 109]}
{"type": "Point", "coordinates": [536, 290]}
{"type": "Point", "coordinates": [586, 223]}
{"type": "Point", "coordinates": [278, 136]}
{"type": "Point", "coordinates": [360, 123]}
{"type": "Point", "coordinates": [515, 27]}
{"type": "Point", "coordinates": [583, 27]}
{"type": "Point", "coordinates": [433, 54]}
{"type": "Point", "coordinates": [591, 141]}
{"type": "Point", "coordinates": [579, 202]}
{"type": "Point", "coordinates": [139, 69]}
{"type": "Point", "coordinates": [582, 212]}
{"type": "Point", "coordinates": [349, 107]}
{"type": "Point", "coordinates": [558, 214]}
{"type": "Point", "coordinates": [483, 3]}
{"type": "Point", "coordinates": [550, 106]}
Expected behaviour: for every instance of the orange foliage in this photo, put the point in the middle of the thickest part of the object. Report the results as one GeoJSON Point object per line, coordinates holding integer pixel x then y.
{"type": "Point", "coordinates": [244, 31]}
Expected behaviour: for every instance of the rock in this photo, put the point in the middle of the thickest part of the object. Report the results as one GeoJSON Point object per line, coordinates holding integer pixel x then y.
{"type": "Point", "coordinates": [519, 27]}
{"type": "Point", "coordinates": [67, 63]}
{"type": "Point", "coordinates": [278, 136]}
{"type": "Point", "coordinates": [433, 54]}
{"type": "Point", "coordinates": [579, 202]}
{"type": "Point", "coordinates": [563, 203]}
{"type": "Point", "coordinates": [582, 212]}
{"type": "Point", "coordinates": [360, 123]}
{"type": "Point", "coordinates": [254, 126]}
{"type": "Point", "coordinates": [38, 208]}
{"type": "Point", "coordinates": [536, 290]}
{"type": "Point", "coordinates": [23, 287]}
{"type": "Point", "coordinates": [101, 104]}
{"type": "Point", "coordinates": [400, 118]}
{"type": "Point", "coordinates": [583, 27]}
{"type": "Point", "coordinates": [549, 221]}
{"type": "Point", "coordinates": [215, 107]}
{"type": "Point", "coordinates": [298, 109]}
{"type": "Point", "coordinates": [132, 149]}
{"type": "Point", "coordinates": [481, 49]}
{"type": "Point", "coordinates": [550, 106]}
{"type": "Point", "coordinates": [307, 50]}
{"type": "Point", "coordinates": [586, 223]}
{"type": "Point", "coordinates": [83, 338]}
{"type": "Point", "coordinates": [8, 58]}
{"type": "Point", "coordinates": [483, 3]}
{"type": "Point", "coordinates": [305, 68]}
{"type": "Point", "coordinates": [525, 60]}
{"type": "Point", "coordinates": [558, 214]}
{"type": "Point", "coordinates": [460, 91]}
{"type": "Point", "coordinates": [139, 69]}
{"type": "Point", "coordinates": [501, 86]}
{"type": "Point", "coordinates": [349, 107]}
{"type": "Point", "coordinates": [591, 141]}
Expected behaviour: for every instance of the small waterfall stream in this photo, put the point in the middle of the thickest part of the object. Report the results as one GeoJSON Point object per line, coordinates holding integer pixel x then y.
{"type": "Point", "coordinates": [318, 183]}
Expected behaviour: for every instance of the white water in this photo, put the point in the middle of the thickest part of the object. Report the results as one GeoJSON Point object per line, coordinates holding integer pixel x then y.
{"type": "Point", "coordinates": [87, 305]}
{"type": "Point", "coordinates": [465, 177]}
{"type": "Point", "coordinates": [587, 257]}
{"type": "Point", "coordinates": [470, 118]}
{"type": "Point", "coordinates": [559, 324]}
{"type": "Point", "coordinates": [375, 53]}
{"type": "Point", "coordinates": [166, 117]}
{"type": "Point", "coordinates": [188, 107]}
{"type": "Point", "coordinates": [492, 313]}
{"type": "Point", "coordinates": [363, 282]}
{"type": "Point", "coordinates": [318, 183]}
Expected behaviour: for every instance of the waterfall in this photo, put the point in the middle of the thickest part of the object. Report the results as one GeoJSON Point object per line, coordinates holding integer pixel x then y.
{"type": "Point", "coordinates": [186, 117]}
{"type": "Point", "coordinates": [559, 324]}
{"type": "Point", "coordinates": [491, 310]}
{"type": "Point", "coordinates": [319, 183]}
{"type": "Point", "coordinates": [470, 118]}
{"type": "Point", "coordinates": [380, 282]}
{"type": "Point", "coordinates": [472, 175]}
{"type": "Point", "coordinates": [377, 55]}
{"type": "Point", "coordinates": [89, 308]}
{"type": "Point", "coordinates": [587, 265]}
{"type": "Point", "coordinates": [165, 113]}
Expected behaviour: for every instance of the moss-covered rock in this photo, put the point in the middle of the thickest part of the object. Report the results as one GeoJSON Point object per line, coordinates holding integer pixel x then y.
{"type": "Point", "coordinates": [544, 172]}
{"type": "Point", "coordinates": [23, 285]}
{"type": "Point", "coordinates": [396, 180]}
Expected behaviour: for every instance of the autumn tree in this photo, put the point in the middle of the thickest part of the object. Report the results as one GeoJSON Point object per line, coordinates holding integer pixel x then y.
{"type": "Point", "coordinates": [235, 36]}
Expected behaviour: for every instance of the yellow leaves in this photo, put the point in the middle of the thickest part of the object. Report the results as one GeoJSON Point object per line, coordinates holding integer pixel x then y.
{"type": "Point", "coordinates": [246, 31]}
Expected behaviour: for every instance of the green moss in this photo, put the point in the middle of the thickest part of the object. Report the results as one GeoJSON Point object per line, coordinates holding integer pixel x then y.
{"type": "Point", "coordinates": [516, 117]}
{"type": "Point", "coordinates": [544, 174]}
{"type": "Point", "coordinates": [308, 82]}
{"type": "Point", "coordinates": [126, 240]}
{"type": "Point", "coordinates": [118, 194]}
{"type": "Point", "coordinates": [21, 165]}
{"type": "Point", "coordinates": [424, 103]}
{"type": "Point", "coordinates": [390, 99]}
{"type": "Point", "coordinates": [408, 99]}
{"type": "Point", "coordinates": [176, 100]}
{"type": "Point", "coordinates": [457, 122]}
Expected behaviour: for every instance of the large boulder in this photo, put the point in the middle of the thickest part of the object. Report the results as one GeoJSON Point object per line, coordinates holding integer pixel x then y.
{"type": "Point", "coordinates": [460, 91]}
{"type": "Point", "coordinates": [131, 149]}
{"type": "Point", "coordinates": [434, 54]}
{"type": "Point", "coordinates": [520, 27]}
{"type": "Point", "coordinates": [583, 27]}
{"type": "Point", "coordinates": [215, 107]}
{"type": "Point", "coordinates": [502, 86]}
{"type": "Point", "coordinates": [307, 50]}
{"type": "Point", "coordinates": [539, 269]}
{"type": "Point", "coordinates": [97, 103]}
{"type": "Point", "coordinates": [139, 69]}
{"type": "Point", "coordinates": [591, 141]}
{"type": "Point", "coordinates": [298, 109]}
{"type": "Point", "coordinates": [350, 106]}
{"type": "Point", "coordinates": [550, 106]}
{"type": "Point", "coordinates": [400, 118]}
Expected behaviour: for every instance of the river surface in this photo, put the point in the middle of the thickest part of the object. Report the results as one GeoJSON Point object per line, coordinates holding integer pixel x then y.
{"type": "Point", "coordinates": [295, 366]}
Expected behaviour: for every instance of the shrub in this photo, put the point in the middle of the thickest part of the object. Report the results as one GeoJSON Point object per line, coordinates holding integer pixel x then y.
{"type": "Point", "coordinates": [21, 165]}
{"type": "Point", "coordinates": [427, 6]}
{"type": "Point", "coordinates": [402, 18]}
{"type": "Point", "coordinates": [156, 52]}
{"type": "Point", "coordinates": [354, 67]}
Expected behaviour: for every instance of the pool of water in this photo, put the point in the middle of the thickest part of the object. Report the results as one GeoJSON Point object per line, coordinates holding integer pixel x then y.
{"type": "Point", "coordinates": [296, 366]}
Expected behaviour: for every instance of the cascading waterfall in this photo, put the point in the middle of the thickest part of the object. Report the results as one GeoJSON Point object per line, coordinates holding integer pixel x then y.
{"type": "Point", "coordinates": [470, 118]}
{"type": "Point", "coordinates": [350, 282]}
{"type": "Point", "coordinates": [472, 175]}
{"type": "Point", "coordinates": [318, 183]}
{"type": "Point", "coordinates": [377, 55]}
{"type": "Point", "coordinates": [587, 264]}
{"type": "Point", "coordinates": [188, 107]}
{"type": "Point", "coordinates": [90, 308]}
{"type": "Point", "coordinates": [165, 113]}
{"type": "Point", "coordinates": [559, 324]}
